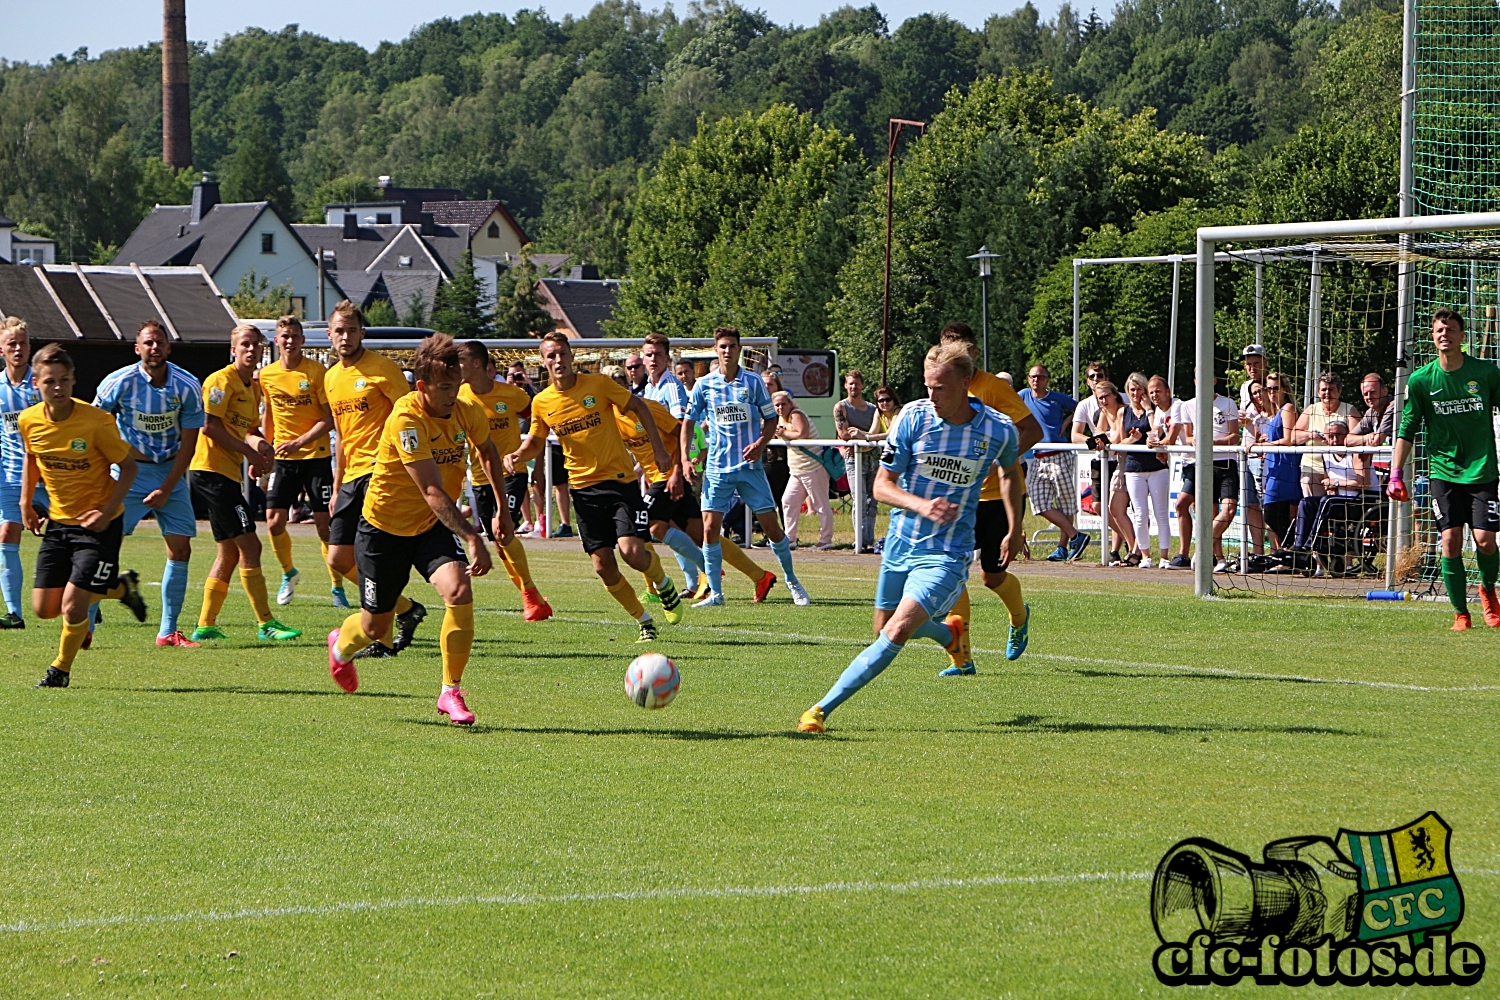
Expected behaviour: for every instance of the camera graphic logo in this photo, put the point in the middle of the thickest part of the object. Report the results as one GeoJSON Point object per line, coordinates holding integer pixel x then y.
{"type": "Point", "coordinates": [1364, 908]}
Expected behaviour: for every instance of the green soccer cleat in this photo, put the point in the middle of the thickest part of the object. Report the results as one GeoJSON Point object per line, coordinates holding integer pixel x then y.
{"type": "Point", "coordinates": [274, 631]}
{"type": "Point", "coordinates": [203, 632]}
{"type": "Point", "coordinates": [649, 598]}
{"type": "Point", "coordinates": [288, 586]}
{"type": "Point", "coordinates": [672, 604]}
{"type": "Point", "coordinates": [12, 620]}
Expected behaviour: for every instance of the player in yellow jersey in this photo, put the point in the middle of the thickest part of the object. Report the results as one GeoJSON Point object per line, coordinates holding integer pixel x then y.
{"type": "Point", "coordinates": [362, 389]}
{"type": "Point", "coordinates": [296, 422]}
{"type": "Point", "coordinates": [410, 518]}
{"type": "Point", "coordinates": [992, 525]}
{"type": "Point", "coordinates": [231, 435]}
{"type": "Point", "coordinates": [601, 475]}
{"type": "Point", "coordinates": [69, 446]}
{"type": "Point", "coordinates": [505, 405]}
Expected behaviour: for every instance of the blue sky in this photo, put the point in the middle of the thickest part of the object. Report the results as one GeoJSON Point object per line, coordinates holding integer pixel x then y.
{"type": "Point", "coordinates": [34, 32]}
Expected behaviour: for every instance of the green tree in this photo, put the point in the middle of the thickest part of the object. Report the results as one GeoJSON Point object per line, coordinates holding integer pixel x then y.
{"type": "Point", "coordinates": [255, 173]}
{"type": "Point", "coordinates": [519, 308]}
{"type": "Point", "coordinates": [458, 308]}
{"type": "Point", "coordinates": [381, 313]}
{"type": "Point", "coordinates": [161, 185]}
{"type": "Point", "coordinates": [257, 299]}
{"type": "Point", "coordinates": [415, 313]}
{"type": "Point", "coordinates": [721, 232]}
{"type": "Point", "coordinates": [345, 189]}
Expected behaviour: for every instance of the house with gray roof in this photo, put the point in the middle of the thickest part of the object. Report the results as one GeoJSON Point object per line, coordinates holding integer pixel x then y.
{"type": "Point", "coordinates": [231, 241]}
{"type": "Point", "coordinates": [394, 261]}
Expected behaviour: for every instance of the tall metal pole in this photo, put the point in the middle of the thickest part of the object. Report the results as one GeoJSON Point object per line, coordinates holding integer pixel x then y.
{"type": "Point", "coordinates": [1203, 422]}
{"type": "Point", "coordinates": [1075, 329]}
{"type": "Point", "coordinates": [1400, 518]}
{"type": "Point", "coordinates": [1172, 336]}
{"type": "Point", "coordinates": [984, 313]}
{"type": "Point", "coordinates": [1260, 303]}
{"type": "Point", "coordinates": [893, 136]}
{"type": "Point", "coordinates": [322, 311]}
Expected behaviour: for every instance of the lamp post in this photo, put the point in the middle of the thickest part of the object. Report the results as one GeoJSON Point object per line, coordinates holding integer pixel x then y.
{"type": "Point", "coordinates": [893, 136]}
{"type": "Point", "coordinates": [984, 257]}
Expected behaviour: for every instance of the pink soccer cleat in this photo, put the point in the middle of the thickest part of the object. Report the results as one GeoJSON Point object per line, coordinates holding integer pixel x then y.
{"type": "Point", "coordinates": [451, 704]}
{"type": "Point", "coordinates": [344, 674]}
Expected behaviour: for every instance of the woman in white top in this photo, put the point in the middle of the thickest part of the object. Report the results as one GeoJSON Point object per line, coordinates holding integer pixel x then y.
{"type": "Point", "coordinates": [1108, 423]}
{"type": "Point", "coordinates": [808, 479]}
{"type": "Point", "coordinates": [1147, 474]}
{"type": "Point", "coordinates": [1311, 426]}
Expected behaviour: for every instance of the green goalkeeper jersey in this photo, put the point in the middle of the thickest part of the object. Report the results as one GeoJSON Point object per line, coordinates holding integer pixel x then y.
{"type": "Point", "coordinates": [1455, 408]}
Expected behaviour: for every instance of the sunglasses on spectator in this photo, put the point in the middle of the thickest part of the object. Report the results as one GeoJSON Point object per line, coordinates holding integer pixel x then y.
{"type": "Point", "coordinates": [884, 399]}
{"type": "Point", "coordinates": [1094, 376]}
{"type": "Point", "coordinates": [632, 367]}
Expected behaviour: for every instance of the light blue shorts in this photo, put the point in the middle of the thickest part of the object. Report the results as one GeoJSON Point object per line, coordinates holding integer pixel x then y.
{"type": "Point", "coordinates": [175, 517]}
{"type": "Point", "coordinates": [10, 501]}
{"type": "Point", "coordinates": [933, 581]}
{"type": "Point", "coordinates": [750, 483]}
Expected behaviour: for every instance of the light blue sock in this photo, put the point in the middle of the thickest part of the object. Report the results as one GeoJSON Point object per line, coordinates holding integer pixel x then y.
{"type": "Point", "coordinates": [713, 565]}
{"type": "Point", "coordinates": [174, 581]}
{"type": "Point", "coordinates": [783, 550]}
{"type": "Point", "coordinates": [689, 556]}
{"type": "Point", "coordinates": [936, 631]}
{"type": "Point", "coordinates": [93, 616]}
{"type": "Point", "coordinates": [864, 669]}
{"type": "Point", "coordinates": [10, 576]}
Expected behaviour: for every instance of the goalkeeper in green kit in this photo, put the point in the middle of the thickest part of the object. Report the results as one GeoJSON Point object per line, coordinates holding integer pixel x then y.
{"type": "Point", "coordinates": [1453, 397]}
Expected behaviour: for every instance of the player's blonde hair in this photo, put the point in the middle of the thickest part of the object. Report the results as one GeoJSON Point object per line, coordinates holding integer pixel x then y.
{"type": "Point", "coordinates": [954, 353]}
{"type": "Point", "coordinates": [243, 328]}
{"type": "Point", "coordinates": [13, 324]}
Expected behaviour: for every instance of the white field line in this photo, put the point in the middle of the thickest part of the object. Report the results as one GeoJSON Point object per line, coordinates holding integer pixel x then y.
{"type": "Point", "coordinates": [412, 903]}
{"type": "Point", "coordinates": [1140, 665]}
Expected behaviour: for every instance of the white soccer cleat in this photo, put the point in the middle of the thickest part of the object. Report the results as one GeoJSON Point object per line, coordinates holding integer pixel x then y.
{"type": "Point", "coordinates": [711, 601]}
{"type": "Point", "coordinates": [799, 594]}
{"type": "Point", "coordinates": [288, 586]}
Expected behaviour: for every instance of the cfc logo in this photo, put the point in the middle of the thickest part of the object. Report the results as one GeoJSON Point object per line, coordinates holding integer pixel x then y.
{"type": "Point", "coordinates": [1364, 908]}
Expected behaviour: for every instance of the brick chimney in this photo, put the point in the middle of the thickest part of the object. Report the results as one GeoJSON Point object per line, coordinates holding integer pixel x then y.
{"type": "Point", "coordinates": [176, 112]}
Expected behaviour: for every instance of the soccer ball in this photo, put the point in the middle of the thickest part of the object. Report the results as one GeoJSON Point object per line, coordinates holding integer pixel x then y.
{"type": "Point", "coordinates": [651, 680]}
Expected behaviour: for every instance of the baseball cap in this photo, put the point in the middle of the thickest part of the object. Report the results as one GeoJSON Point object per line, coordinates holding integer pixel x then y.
{"type": "Point", "coordinates": [1253, 351]}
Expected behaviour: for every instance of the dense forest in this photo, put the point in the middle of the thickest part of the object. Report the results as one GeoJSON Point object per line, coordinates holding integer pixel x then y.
{"type": "Point", "coordinates": [733, 168]}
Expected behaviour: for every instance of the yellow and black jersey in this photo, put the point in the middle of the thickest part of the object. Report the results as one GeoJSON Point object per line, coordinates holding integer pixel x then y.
{"type": "Point", "coordinates": [361, 396]}
{"type": "Point", "coordinates": [583, 418]}
{"type": "Point", "coordinates": [639, 442]}
{"type": "Point", "coordinates": [504, 405]}
{"type": "Point", "coordinates": [73, 457]}
{"type": "Point", "coordinates": [295, 398]}
{"type": "Point", "coordinates": [393, 503]}
{"type": "Point", "coordinates": [997, 394]}
{"type": "Point", "coordinates": [235, 402]}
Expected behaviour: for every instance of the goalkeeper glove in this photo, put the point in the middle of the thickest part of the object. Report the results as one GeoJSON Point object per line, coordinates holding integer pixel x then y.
{"type": "Point", "coordinates": [1397, 489]}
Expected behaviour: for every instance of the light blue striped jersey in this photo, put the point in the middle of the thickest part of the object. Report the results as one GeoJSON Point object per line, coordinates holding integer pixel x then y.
{"type": "Point", "coordinates": [733, 414]}
{"type": "Point", "coordinates": [669, 392]}
{"type": "Point", "coordinates": [14, 399]}
{"type": "Point", "coordinates": [152, 420]}
{"type": "Point", "coordinates": [933, 458]}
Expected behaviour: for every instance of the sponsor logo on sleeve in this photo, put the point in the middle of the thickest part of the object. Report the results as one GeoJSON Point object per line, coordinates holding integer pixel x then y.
{"type": "Point", "coordinates": [215, 396]}
{"type": "Point", "coordinates": [409, 440]}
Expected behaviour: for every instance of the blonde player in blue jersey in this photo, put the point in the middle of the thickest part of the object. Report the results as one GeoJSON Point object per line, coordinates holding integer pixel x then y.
{"type": "Point", "coordinates": [17, 391]}
{"type": "Point", "coordinates": [736, 410]}
{"type": "Point", "coordinates": [932, 468]}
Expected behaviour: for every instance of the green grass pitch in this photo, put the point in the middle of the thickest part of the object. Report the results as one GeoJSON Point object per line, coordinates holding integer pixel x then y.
{"type": "Point", "coordinates": [225, 823]}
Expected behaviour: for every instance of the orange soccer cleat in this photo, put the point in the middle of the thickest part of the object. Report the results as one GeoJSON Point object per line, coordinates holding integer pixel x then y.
{"type": "Point", "coordinates": [763, 586]}
{"type": "Point", "coordinates": [1490, 605]}
{"type": "Point", "coordinates": [534, 606]}
{"type": "Point", "coordinates": [1462, 622]}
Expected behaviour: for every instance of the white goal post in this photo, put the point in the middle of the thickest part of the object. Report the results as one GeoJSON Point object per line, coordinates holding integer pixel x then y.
{"type": "Point", "coordinates": [1211, 238]}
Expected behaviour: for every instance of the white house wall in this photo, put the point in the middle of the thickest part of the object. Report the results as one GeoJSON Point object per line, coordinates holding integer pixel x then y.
{"type": "Point", "coordinates": [288, 264]}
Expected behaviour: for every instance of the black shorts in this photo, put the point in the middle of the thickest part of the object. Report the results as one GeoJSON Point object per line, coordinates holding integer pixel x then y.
{"type": "Point", "coordinates": [605, 512]}
{"type": "Point", "coordinates": [228, 511]}
{"type": "Point", "coordinates": [661, 507]}
{"type": "Point", "coordinates": [343, 523]}
{"type": "Point", "coordinates": [486, 507]}
{"type": "Point", "coordinates": [290, 481]}
{"type": "Point", "coordinates": [991, 525]}
{"type": "Point", "coordinates": [559, 466]}
{"type": "Point", "coordinates": [87, 559]}
{"type": "Point", "coordinates": [1226, 482]}
{"type": "Point", "coordinates": [385, 561]}
{"type": "Point", "coordinates": [1458, 504]}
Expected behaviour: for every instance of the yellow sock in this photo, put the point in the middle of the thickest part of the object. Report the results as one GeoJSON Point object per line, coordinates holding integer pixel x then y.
{"type": "Point", "coordinates": [403, 604]}
{"type": "Point", "coordinates": [456, 639]}
{"type": "Point", "coordinates": [517, 565]}
{"type": "Point", "coordinates": [961, 606]}
{"type": "Point", "coordinates": [654, 573]}
{"type": "Point", "coordinates": [70, 643]}
{"type": "Point", "coordinates": [214, 592]}
{"type": "Point", "coordinates": [1009, 591]}
{"type": "Point", "coordinates": [333, 574]}
{"type": "Point", "coordinates": [282, 543]}
{"type": "Point", "coordinates": [622, 592]}
{"type": "Point", "coordinates": [735, 556]}
{"type": "Point", "coordinates": [254, 582]}
{"type": "Point", "coordinates": [352, 637]}
{"type": "Point", "coordinates": [114, 593]}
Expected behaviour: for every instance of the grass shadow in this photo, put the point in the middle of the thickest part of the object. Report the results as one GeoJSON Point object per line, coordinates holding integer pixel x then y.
{"type": "Point", "coordinates": [237, 689]}
{"type": "Point", "coordinates": [1186, 675]}
{"type": "Point", "coordinates": [1041, 724]}
{"type": "Point", "coordinates": [691, 735]}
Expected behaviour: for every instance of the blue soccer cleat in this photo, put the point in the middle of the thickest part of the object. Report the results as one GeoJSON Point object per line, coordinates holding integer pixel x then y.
{"type": "Point", "coordinates": [1015, 645]}
{"type": "Point", "coordinates": [967, 670]}
{"type": "Point", "coordinates": [340, 599]}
